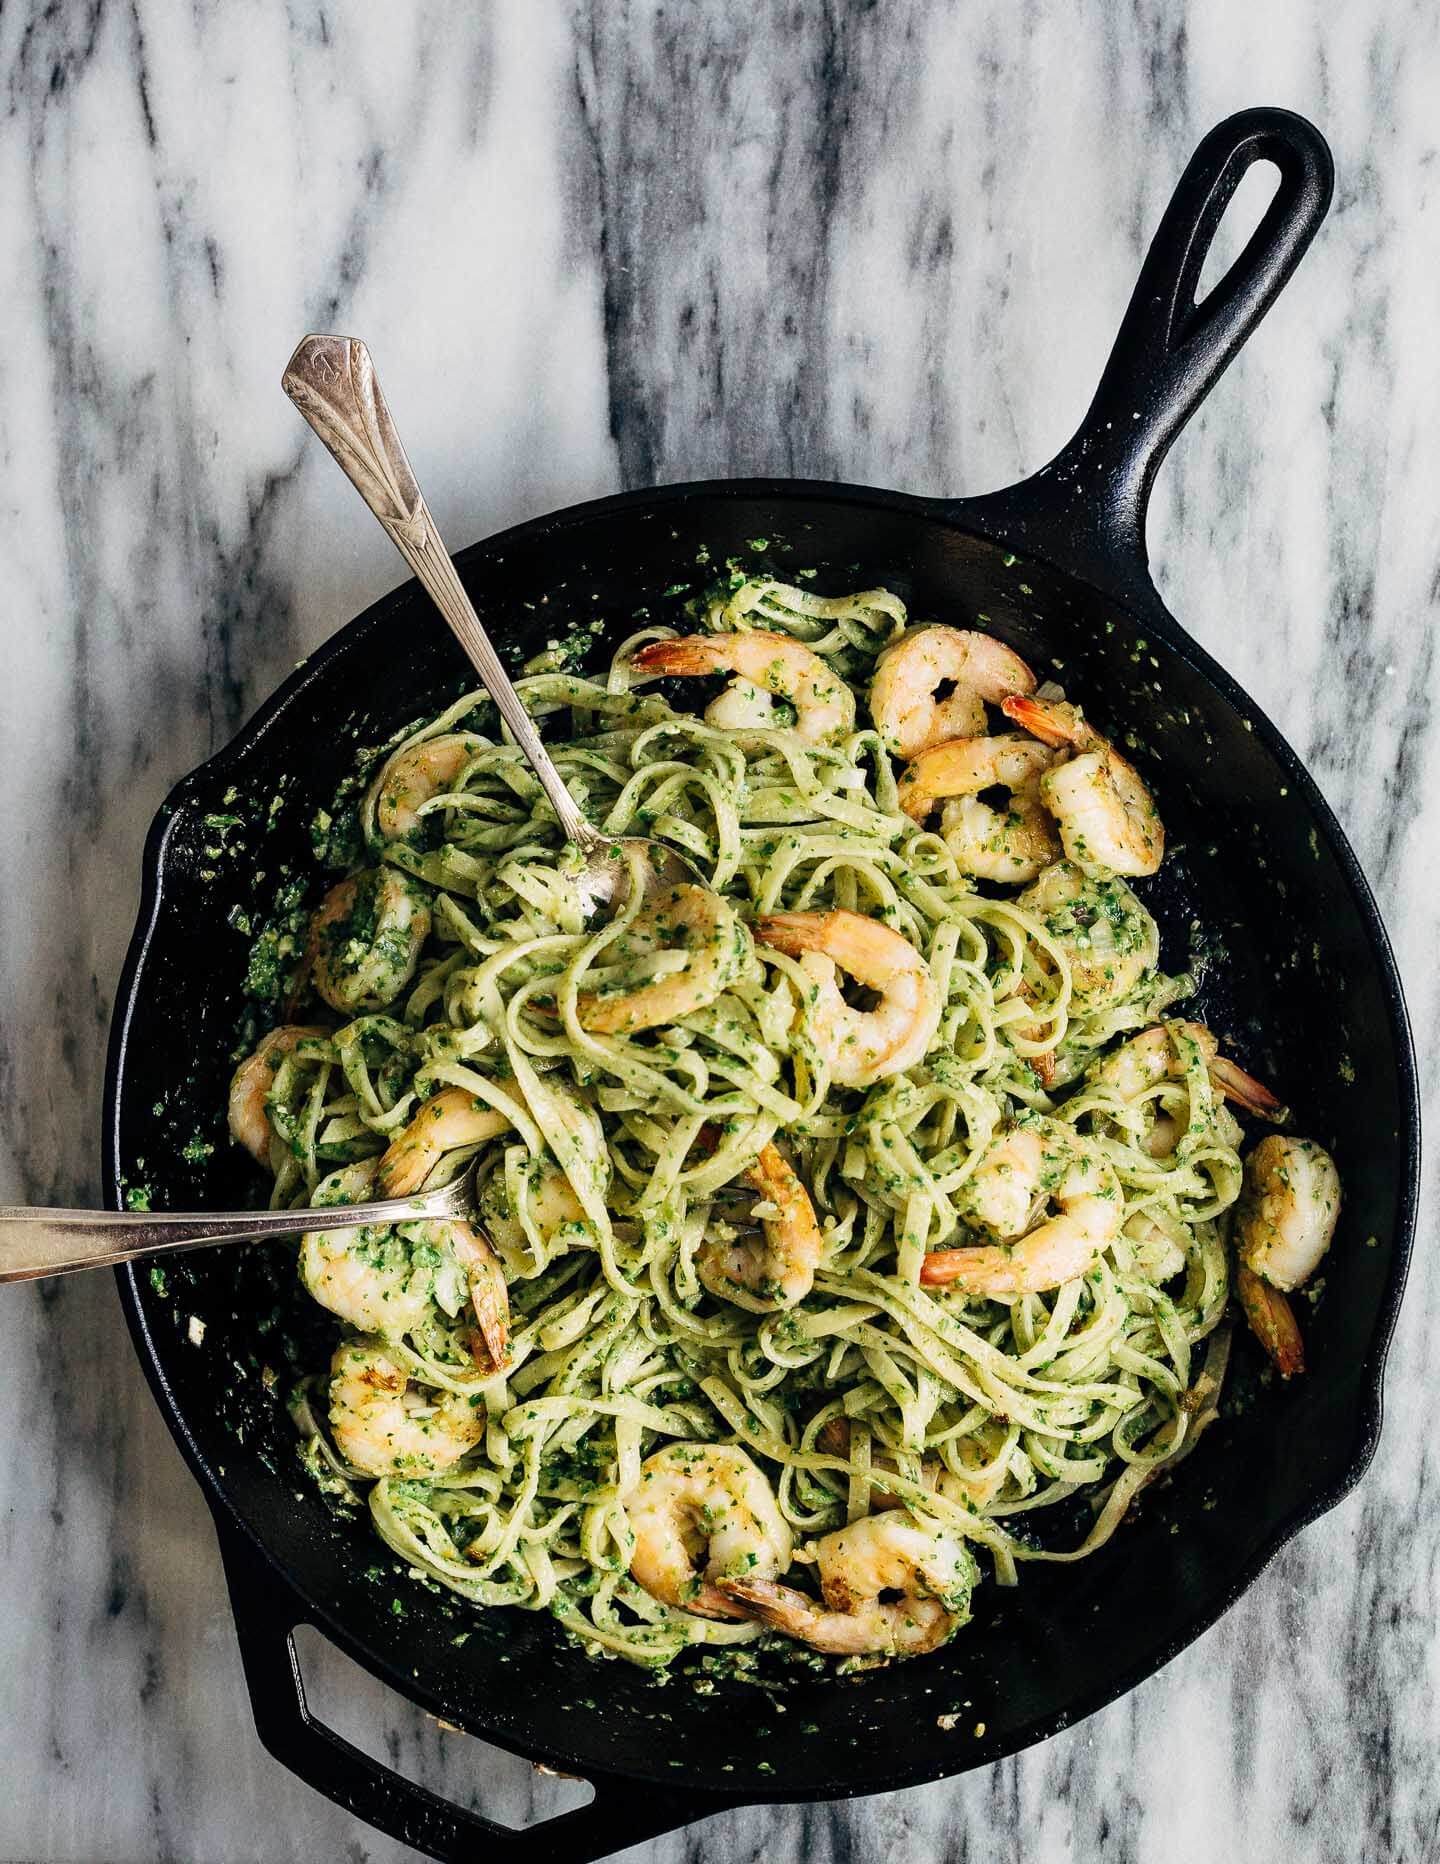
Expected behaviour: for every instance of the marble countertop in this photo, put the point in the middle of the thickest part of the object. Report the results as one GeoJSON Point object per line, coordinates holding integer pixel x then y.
{"type": "Point", "coordinates": [593, 246]}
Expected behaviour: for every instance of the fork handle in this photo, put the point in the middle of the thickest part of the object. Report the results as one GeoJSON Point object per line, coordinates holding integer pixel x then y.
{"type": "Point", "coordinates": [331, 380]}
{"type": "Point", "coordinates": [36, 1242]}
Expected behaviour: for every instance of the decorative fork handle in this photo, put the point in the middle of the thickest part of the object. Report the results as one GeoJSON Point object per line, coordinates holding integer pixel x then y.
{"type": "Point", "coordinates": [37, 1242]}
{"type": "Point", "coordinates": [332, 382]}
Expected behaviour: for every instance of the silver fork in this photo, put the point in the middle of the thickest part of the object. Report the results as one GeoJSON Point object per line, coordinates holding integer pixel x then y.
{"type": "Point", "coordinates": [36, 1242]}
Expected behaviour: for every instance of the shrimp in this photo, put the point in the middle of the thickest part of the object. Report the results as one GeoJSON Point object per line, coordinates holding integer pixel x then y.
{"type": "Point", "coordinates": [718, 950]}
{"type": "Point", "coordinates": [764, 663]}
{"type": "Point", "coordinates": [415, 773]}
{"type": "Point", "coordinates": [1107, 818]}
{"type": "Point", "coordinates": [448, 1120]}
{"type": "Point", "coordinates": [369, 1277]}
{"type": "Point", "coordinates": [1288, 1210]}
{"type": "Point", "coordinates": [781, 1271]}
{"type": "Point", "coordinates": [905, 700]}
{"type": "Point", "coordinates": [1284, 1223]}
{"type": "Point", "coordinates": [385, 1426]}
{"type": "Point", "coordinates": [861, 1568]}
{"type": "Point", "coordinates": [1000, 1195]}
{"type": "Point", "coordinates": [1010, 844]}
{"type": "Point", "coordinates": [863, 1046]}
{"type": "Point", "coordinates": [1108, 938]}
{"type": "Point", "coordinates": [484, 1281]}
{"type": "Point", "coordinates": [366, 1275]}
{"type": "Point", "coordinates": [1021, 1168]}
{"type": "Point", "coordinates": [252, 1081]}
{"type": "Point", "coordinates": [365, 939]}
{"type": "Point", "coordinates": [389, 1281]}
{"type": "Point", "coordinates": [1164, 1052]}
{"type": "Point", "coordinates": [701, 1512]}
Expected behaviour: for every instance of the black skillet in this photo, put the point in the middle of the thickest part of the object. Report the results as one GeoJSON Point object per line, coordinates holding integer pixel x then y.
{"type": "Point", "coordinates": [1298, 974]}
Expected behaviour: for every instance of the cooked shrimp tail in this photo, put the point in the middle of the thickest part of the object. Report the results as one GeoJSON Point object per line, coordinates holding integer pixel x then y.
{"type": "Point", "coordinates": [491, 1301]}
{"type": "Point", "coordinates": [782, 1608]}
{"type": "Point", "coordinates": [1235, 1084]}
{"type": "Point", "coordinates": [1053, 722]}
{"type": "Point", "coordinates": [1272, 1321]}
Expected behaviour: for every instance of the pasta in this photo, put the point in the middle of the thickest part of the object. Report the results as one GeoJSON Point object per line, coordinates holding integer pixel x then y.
{"type": "Point", "coordinates": [743, 1197]}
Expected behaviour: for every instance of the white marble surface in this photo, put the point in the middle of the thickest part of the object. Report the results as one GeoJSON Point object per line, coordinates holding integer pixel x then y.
{"type": "Point", "coordinates": [591, 246]}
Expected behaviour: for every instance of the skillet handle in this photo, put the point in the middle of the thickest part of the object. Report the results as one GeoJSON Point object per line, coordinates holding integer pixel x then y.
{"type": "Point", "coordinates": [1086, 509]}
{"type": "Point", "coordinates": [266, 1614]}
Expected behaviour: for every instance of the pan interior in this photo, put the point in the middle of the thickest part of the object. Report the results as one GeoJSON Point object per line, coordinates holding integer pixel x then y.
{"type": "Point", "coordinates": [1251, 893]}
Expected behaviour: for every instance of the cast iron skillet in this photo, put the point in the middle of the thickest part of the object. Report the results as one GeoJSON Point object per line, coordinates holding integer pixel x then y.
{"type": "Point", "coordinates": [1303, 983]}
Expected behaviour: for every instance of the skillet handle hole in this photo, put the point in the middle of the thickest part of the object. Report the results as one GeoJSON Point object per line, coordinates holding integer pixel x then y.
{"type": "Point", "coordinates": [1238, 224]}
{"type": "Point", "coordinates": [428, 1753]}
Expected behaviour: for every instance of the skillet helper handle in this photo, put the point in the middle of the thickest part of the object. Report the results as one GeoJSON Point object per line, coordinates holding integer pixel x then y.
{"type": "Point", "coordinates": [266, 1613]}
{"type": "Point", "coordinates": [1087, 507]}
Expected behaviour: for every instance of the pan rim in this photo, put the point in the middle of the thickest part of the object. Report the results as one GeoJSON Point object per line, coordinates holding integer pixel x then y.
{"type": "Point", "coordinates": [1157, 619]}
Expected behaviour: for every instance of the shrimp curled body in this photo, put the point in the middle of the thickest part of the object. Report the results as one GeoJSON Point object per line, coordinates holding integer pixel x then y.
{"type": "Point", "coordinates": [252, 1081]}
{"type": "Point", "coordinates": [905, 700]}
{"type": "Point", "coordinates": [1020, 1171]}
{"type": "Point", "coordinates": [1284, 1223]}
{"type": "Point", "coordinates": [413, 776]}
{"type": "Point", "coordinates": [863, 1046]}
{"type": "Point", "coordinates": [1288, 1210]}
{"type": "Point", "coordinates": [448, 1120]}
{"type": "Point", "coordinates": [892, 1585]}
{"type": "Point", "coordinates": [365, 939]}
{"type": "Point", "coordinates": [1107, 817]}
{"type": "Point", "coordinates": [1109, 939]}
{"type": "Point", "coordinates": [385, 1426]}
{"type": "Point", "coordinates": [1012, 843]}
{"type": "Point", "coordinates": [716, 947]}
{"type": "Point", "coordinates": [700, 1512]}
{"type": "Point", "coordinates": [552, 1207]}
{"type": "Point", "coordinates": [367, 1275]}
{"type": "Point", "coordinates": [1163, 1054]}
{"type": "Point", "coordinates": [764, 664]}
{"type": "Point", "coordinates": [388, 1282]}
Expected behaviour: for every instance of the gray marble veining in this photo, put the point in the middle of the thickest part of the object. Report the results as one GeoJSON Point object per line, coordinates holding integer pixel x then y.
{"type": "Point", "coordinates": [595, 246]}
